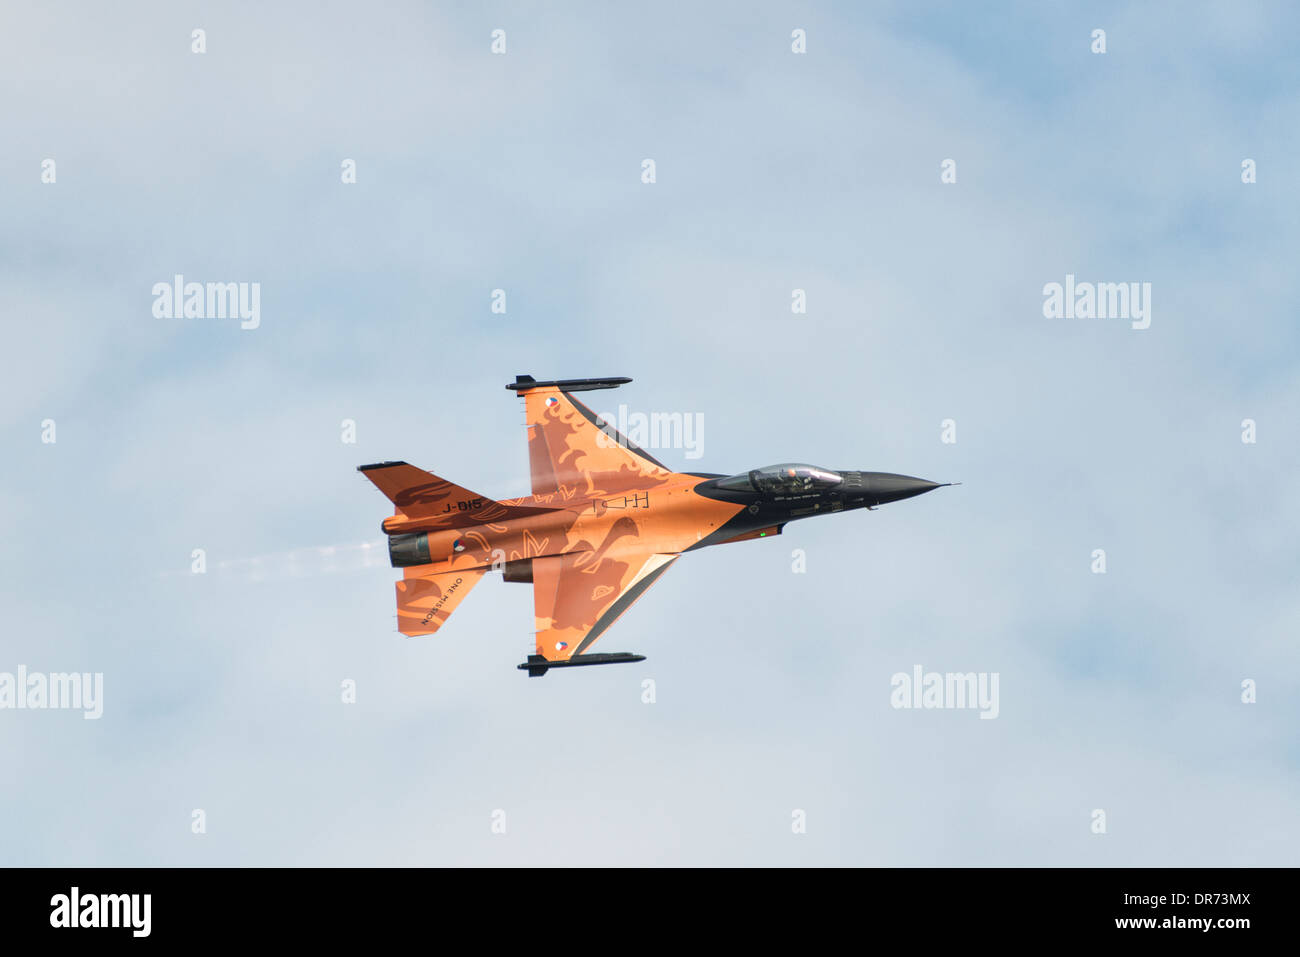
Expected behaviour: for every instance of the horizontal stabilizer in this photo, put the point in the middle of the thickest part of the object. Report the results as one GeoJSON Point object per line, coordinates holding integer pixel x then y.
{"type": "Point", "coordinates": [425, 502]}
{"type": "Point", "coordinates": [425, 602]}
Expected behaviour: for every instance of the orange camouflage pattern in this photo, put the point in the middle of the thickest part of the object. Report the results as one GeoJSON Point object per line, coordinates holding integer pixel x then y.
{"type": "Point", "coordinates": [603, 522]}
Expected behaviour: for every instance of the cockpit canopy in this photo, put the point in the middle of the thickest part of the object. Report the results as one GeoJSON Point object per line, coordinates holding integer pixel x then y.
{"type": "Point", "coordinates": [787, 478]}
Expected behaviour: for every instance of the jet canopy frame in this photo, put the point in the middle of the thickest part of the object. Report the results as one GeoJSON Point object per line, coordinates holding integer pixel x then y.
{"type": "Point", "coordinates": [785, 478]}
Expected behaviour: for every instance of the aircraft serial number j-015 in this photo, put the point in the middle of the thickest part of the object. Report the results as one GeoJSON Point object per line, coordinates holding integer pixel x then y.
{"type": "Point", "coordinates": [605, 520]}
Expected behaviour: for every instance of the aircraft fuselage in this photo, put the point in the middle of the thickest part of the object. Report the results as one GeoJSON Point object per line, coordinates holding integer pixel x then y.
{"type": "Point", "coordinates": [687, 512]}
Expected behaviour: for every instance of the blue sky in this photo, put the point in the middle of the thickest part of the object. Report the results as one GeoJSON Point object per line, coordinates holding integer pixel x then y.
{"type": "Point", "coordinates": [774, 171]}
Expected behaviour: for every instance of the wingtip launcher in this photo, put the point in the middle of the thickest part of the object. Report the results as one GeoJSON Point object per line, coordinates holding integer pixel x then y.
{"type": "Point", "coordinates": [538, 665]}
{"type": "Point", "coordinates": [523, 383]}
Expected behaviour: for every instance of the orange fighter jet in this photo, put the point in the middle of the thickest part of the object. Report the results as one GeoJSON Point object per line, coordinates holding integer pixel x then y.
{"type": "Point", "coordinates": [605, 520]}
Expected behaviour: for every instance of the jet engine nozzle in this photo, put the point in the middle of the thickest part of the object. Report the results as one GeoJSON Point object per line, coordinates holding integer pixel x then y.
{"type": "Point", "coordinates": [407, 550]}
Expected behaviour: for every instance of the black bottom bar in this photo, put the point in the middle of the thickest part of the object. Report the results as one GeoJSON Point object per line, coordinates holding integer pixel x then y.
{"type": "Point", "coordinates": [1165, 909]}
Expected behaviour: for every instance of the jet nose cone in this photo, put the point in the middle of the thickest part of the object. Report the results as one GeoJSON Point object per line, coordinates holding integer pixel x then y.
{"type": "Point", "coordinates": [883, 487]}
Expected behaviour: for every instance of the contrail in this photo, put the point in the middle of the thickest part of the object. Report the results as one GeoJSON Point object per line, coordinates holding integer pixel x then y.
{"type": "Point", "coordinates": [309, 562]}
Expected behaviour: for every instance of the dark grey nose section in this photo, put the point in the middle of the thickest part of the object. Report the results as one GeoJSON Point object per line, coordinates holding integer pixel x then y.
{"type": "Point", "coordinates": [880, 488]}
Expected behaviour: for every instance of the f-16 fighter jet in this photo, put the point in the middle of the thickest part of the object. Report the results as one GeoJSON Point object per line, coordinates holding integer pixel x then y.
{"type": "Point", "coordinates": [605, 520]}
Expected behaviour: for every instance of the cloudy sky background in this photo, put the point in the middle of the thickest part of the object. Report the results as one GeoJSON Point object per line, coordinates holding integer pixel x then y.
{"type": "Point", "coordinates": [775, 171]}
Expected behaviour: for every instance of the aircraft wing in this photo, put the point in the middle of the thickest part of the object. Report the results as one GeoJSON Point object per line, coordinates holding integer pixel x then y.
{"type": "Point", "coordinates": [577, 595]}
{"type": "Point", "coordinates": [572, 451]}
